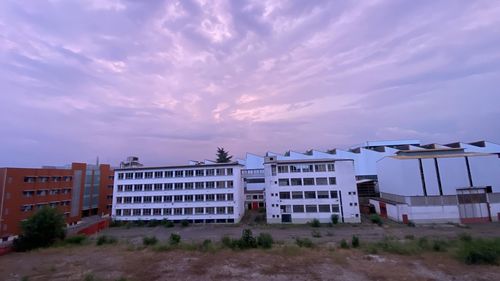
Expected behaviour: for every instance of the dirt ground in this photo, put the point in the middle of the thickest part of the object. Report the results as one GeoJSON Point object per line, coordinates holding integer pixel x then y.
{"type": "Point", "coordinates": [113, 262]}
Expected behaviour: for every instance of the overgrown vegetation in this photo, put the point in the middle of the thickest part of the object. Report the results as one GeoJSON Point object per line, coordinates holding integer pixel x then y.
{"type": "Point", "coordinates": [174, 239]}
{"type": "Point", "coordinates": [343, 244]}
{"type": "Point", "coordinates": [355, 241]}
{"type": "Point", "coordinates": [316, 234]}
{"type": "Point", "coordinates": [315, 223]}
{"type": "Point", "coordinates": [248, 241]}
{"type": "Point", "coordinates": [335, 219]}
{"type": "Point", "coordinates": [76, 239]}
{"type": "Point", "coordinates": [184, 223]}
{"type": "Point", "coordinates": [42, 229]}
{"type": "Point", "coordinates": [375, 218]}
{"type": "Point", "coordinates": [149, 241]}
{"type": "Point", "coordinates": [265, 241]}
{"type": "Point", "coordinates": [479, 251]}
{"type": "Point", "coordinates": [304, 242]}
{"type": "Point", "coordinates": [106, 240]}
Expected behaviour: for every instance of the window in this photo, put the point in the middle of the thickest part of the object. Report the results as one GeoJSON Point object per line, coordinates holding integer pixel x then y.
{"type": "Point", "coordinates": [177, 211]}
{"type": "Point", "coordinates": [335, 208]}
{"type": "Point", "coordinates": [324, 208]}
{"type": "Point", "coordinates": [221, 197]}
{"type": "Point", "coordinates": [137, 212]}
{"type": "Point", "coordinates": [307, 168]}
{"type": "Point", "coordinates": [188, 198]}
{"type": "Point", "coordinates": [309, 194]}
{"type": "Point", "coordinates": [148, 187]}
{"type": "Point", "coordinates": [169, 186]}
{"type": "Point", "coordinates": [167, 199]}
{"type": "Point", "coordinates": [282, 169]}
{"type": "Point", "coordinates": [322, 194]}
{"type": "Point", "coordinates": [120, 177]}
{"type": "Point", "coordinates": [321, 181]}
{"type": "Point", "coordinates": [199, 185]}
{"type": "Point", "coordinates": [309, 181]}
{"type": "Point", "coordinates": [320, 167]}
{"type": "Point", "coordinates": [221, 184]}
{"type": "Point", "coordinates": [198, 210]}
{"type": "Point", "coordinates": [294, 169]}
{"type": "Point", "coordinates": [167, 212]}
{"type": "Point", "coordinates": [178, 185]}
{"type": "Point", "coordinates": [229, 184]}
{"type": "Point", "coordinates": [200, 173]}
{"type": "Point", "coordinates": [229, 171]}
{"type": "Point", "coordinates": [158, 186]}
{"type": "Point", "coordinates": [139, 175]}
{"type": "Point", "coordinates": [156, 212]}
{"type": "Point", "coordinates": [147, 199]}
{"type": "Point", "coordinates": [178, 198]}
{"type": "Point", "coordinates": [284, 195]}
{"type": "Point", "coordinates": [297, 195]}
{"type": "Point", "coordinates": [120, 187]}
{"type": "Point", "coordinates": [169, 174]}
{"type": "Point", "coordinates": [229, 197]}
{"type": "Point", "coordinates": [331, 167]}
{"type": "Point", "coordinates": [148, 175]}
{"type": "Point", "coordinates": [220, 172]}
{"type": "Point", "coordinates": [146, 212]}
{"type": "Point", "coordinates": [210, 172]}
{"type": "Point", "coordinates": [137, 199]}
{"type": "Point", "coordinates": [332, 181]}
{"type": "Point", "coordinates": [210, 210]}
{"type": "Point", "coordinates": [273, 170]}
{"type": "Point", "coordinates": [333, 194]}
{"type": "Point", "coordinates": [129, 176]}
{"type": "Point", "coordinates": [311, 209]}
{"type": "Point", "coordinates": [188, 185]}
{"type": "Point", "coordinates": [127, 212]}
{"type": "Point", "coordinates": [298, 208]}
{"type": "Point", "coordinates": [137, 187]}
{"type": "Point", "coordinates": [127, 200]}
{"type": "Point", "coordinates": [157, 199]}
{"type": "Point", "coordinates": [283, 182]}
{"type": "Point", "coordinates": [198, 197]}
{"type": "Point", "coordinates": [128, 187]}
{"type": "Point", "coordinates": [230, 210]}
{"type": "Point", "coordinates": [188, 211]}
{"type": "Point", "coordinates": [210, 184]}
{"type": "Point", "coordinates": [189, 173]}
{"type": "Point", "coordinates": [221, 210]}
{"type": "Point", "coordinates": [210, 197]}
{"type": "Point", "coordinates": [296, 182]}
{"type": "Point", "coordinates": [179, 174]}
{"type": "Point", "coordinates": [158, 174]}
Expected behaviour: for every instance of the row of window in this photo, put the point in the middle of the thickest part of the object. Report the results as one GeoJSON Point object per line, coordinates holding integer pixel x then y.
{"type": "Point", "coordinates": [44, 192]}
{"type": "Point", "coordinates": [176, 186]}
{"type": "Point", "coordinates": [306, 168]}
{"type": "Point", "coordinates": [255, 197]}
{"type": "Point", "coordinates": [176, 211]}
{"type": "Point", "coordinates": [175, 198]}
{"type": "Point", "coordinates": [30, 207]}
{"type": "Point", "coordinates": [332, 194]}
{"type": "Point", "coordinates": [321, 208]}
{"type": "Point", "coordinates": [307, 181]}
{"type": "Point", "coordinates": [47, 179]}
{"type": "Point", "coordinates": [176, 173]}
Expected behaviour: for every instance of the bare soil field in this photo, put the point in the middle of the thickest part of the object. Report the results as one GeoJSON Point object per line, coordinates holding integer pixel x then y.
{"type": "Point", "coordinates": [117, 262]}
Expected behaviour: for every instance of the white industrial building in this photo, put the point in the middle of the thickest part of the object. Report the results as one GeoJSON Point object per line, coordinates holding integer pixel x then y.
{"type": "Point", "coordinates": [299, 191]}
{"type": "Point", "coordinates": [439, 184]}
{"type": "Point", "coordinates": [207, 193]}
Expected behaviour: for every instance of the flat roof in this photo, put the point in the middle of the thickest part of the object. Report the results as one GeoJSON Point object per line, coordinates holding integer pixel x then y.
{"type": "Point", "coordinates": [298, 161]}
{"type": "Point", "coordinates": [468, 154]}
{"type": "Point", "coordinates": [181, 166]}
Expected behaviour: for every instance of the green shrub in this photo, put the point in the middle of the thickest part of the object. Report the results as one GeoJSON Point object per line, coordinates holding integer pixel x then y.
{"type": "Point", "coordinates": [410, 237]}
{"type": "Point", "coordinates": [184, 223]}
{"type": "Point", "coordinates": [153, 223]}
{"type": "Point", "coordinates": [355, 241]}
{"type": "Point", "coordinates": [149, 241]}
{"type": "Point", "coordinates": [375, 218]}
{"type": "Point", "coordinates": [139, 223]}
{"type": "Point", "coordinates": [315, 234]}
{"type": "Point", "coordinates": [77, 239]}
{"type": "Point", "coordinates": [423, 243]}
{"type": "Point", "coordinates": [439, 246]}
{"type": "Point", "coordinates": [304, 242]}
{"type": "Point", "coordinates": [103, 240]}
{"type": "Point", "coordinates": [116, 223]}
{"type": "Point", "coordinates": [174, 239]}
{"type": "Point", "coordinates": [397, 247]}
{"type": "Point", "coordinates": [335, 219]}
{"type": "Point", "coordinates": [480, 251]}
{"type": "Point", "coordinates": [247, 240]}
{"type": "Point", "coordinates": [315, 223]}
{"type": "Point", "coordinates": [343, 244]}
{"type": "Point", "coordinates": [265, 240]}
{"type": "Point", "coordinates": [262, 210]}
{"type": "Point", "coordinates": [226, 241]}
{"type": "Point", "coordinates": [411, 224]}
{"type": "Point", "coordinates": [464, 237]}
{"type": "Point", "coordinates": [42, 229]}
{"type": "Point", "coordinates": [168, 224]}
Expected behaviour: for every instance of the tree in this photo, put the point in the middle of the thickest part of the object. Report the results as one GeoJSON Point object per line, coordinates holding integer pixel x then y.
{"type": "Point", "coordinates": [223, 156]}
{"type": "Point", "coordinates": [41, 230]}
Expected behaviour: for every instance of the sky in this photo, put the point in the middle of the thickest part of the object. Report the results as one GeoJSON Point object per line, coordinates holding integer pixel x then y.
{"type": "Point", "coordinates": [170, 81]}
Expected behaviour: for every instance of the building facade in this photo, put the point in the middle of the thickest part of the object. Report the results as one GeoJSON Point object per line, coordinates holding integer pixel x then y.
{"type": "Point", "coordinates": [205, 193]}
{"type": "Point", "coordinates": [299, 191]}
{"type": "Point", "coordinates": [439, 185]}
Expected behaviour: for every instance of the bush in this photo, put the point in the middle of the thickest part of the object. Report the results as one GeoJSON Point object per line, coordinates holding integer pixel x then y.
{"type": "Point", "coordinates": [262, 210]}
{"type": "Point", "coordinates": [227, 242]}
{"type": "Point", "coordinates": [316, 234]}
{"type": "Point", "coordinates": [343, 244]}
{"type": "Point", "coordinates": [439, 246]}
{"type": "Point", "coordinates": [115, 223]}
{"type": "Point", "coordinates": [103, 240]}
{"type": "Point", "coordinates": [168, 224]}
{"type": "Point", "coordinates": [174, 239]}
{"type": "Point", "coordinates": [247, 240]}
{"type": "Point", "coordinates": [335, 219]}
{"type": "Point", "coordinates": [304, 242]}
{"type": "Point", "coordinates": [374, 218]}
{"type": "Point", "coordinates": [147, 241]}
{"type": "Point", "coordinates": [480, 251]}
{"type": "Point", "coordinates": [41, 230]}
{"type": "Point", "coordinates": [207, 246]}
{"type": "Point", "coordinates": [265, 240]}
{"type": "Point", "coordinates": [153, 223]}
{"type": "Point", "coordinates": [464, 237]}
{"type": "Point", "coordinates": [315, 223]}
{"type": "Point", "coordinates": [398, 247]}
{"type": "Point", "coordinates": [410, 237]}
{"type": "Point", "coordinates": [77, 239]}
{"type": "Point", "coordinates": [355, 241]}
{"type": "Point", "coordinates": [411, 224]}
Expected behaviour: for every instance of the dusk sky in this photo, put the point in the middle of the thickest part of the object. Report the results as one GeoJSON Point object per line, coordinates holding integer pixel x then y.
{"type": "Point", "coordinates": [169, 81]}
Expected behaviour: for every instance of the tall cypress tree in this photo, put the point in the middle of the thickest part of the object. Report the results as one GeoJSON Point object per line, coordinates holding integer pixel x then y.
{"type": "Point", "coordinates": [223, 156]}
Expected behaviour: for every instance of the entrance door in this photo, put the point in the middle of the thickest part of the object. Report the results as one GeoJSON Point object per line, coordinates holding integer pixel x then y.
{"type": "Point", "coordinates": [383, 210]}
{"type": "Point", "coordinates": [255, 205]}
{"type": "Point", "coordinates": [286, 218]}
{"type": "Point", "coordinates": [472, 205]}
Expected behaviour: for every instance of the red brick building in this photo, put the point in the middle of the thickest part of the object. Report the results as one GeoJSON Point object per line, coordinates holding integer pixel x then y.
{"type": "Point", "coordinates": [77, 190]}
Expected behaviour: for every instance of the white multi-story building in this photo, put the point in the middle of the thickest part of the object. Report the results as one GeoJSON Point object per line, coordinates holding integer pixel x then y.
{"type": "Point", "coordinates": [205, 193]}
{"type": "Point", "coordinates": [439, 184]}
{"type": "Point", "coordinates": [299, 191]}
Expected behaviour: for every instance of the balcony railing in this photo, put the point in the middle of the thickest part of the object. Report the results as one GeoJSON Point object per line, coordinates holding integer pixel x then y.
{"type": "Point", "coordinates": [252, 173]}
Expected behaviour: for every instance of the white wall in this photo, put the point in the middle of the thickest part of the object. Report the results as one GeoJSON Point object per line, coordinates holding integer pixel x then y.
{"type": "Point", "coordinates": [485, 171]}
{"type": "Point", "coordinates": [399, 176]}
{"type": "Point", "coordinates": [431, 180]}
{"type": "Point", "coordinates": [453, 172]}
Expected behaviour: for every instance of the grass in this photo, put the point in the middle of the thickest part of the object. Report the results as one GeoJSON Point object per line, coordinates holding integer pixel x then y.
{"type": "Point", "coordinates": [355, 241]}
{"type": "Point", "coordinates": [174, 239]}
{"type": "Point", "coordinates": [149, 241]}
{"type": "Point", "coordinates": [479, 251]}
{"type": "Point", "coordinates": [315, 223]}
{"type": "Point", "coordinates": [75, 240]}
{"type": "Point", "coordinates": [316, 234]}
{"type": "Point", "coordinates": [343, 244]}
{"type": "Point", "coordinates": [304, 242]}
{"type": "Point", "coordinates": [104, 239]}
